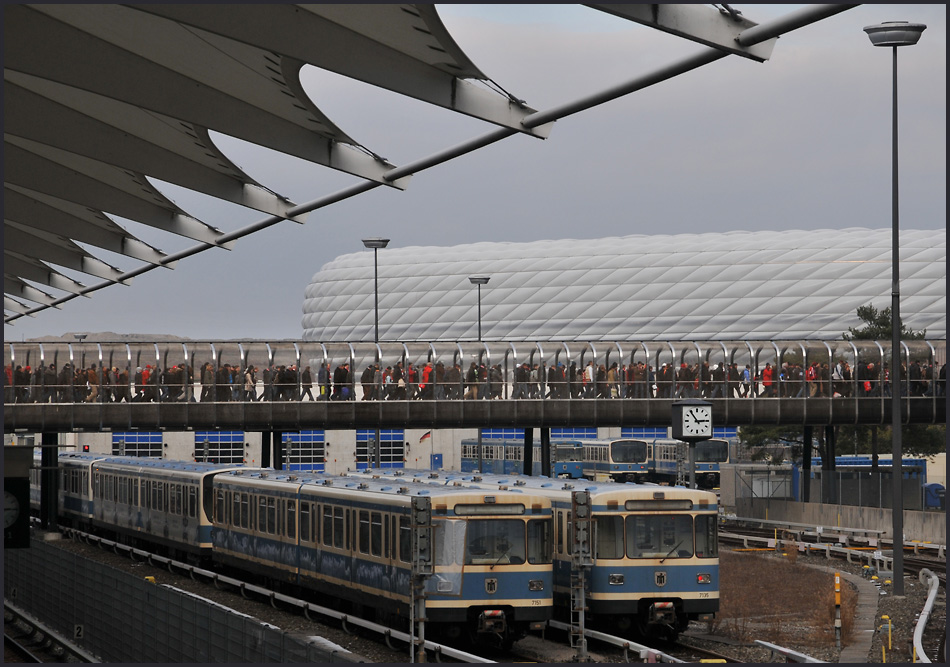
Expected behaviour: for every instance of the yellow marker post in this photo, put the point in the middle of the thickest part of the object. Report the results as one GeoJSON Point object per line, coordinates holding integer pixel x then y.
{"type": "Point", "coordinates": [887, 618]}
{"type": "Point", "coordinates": [838, 610]}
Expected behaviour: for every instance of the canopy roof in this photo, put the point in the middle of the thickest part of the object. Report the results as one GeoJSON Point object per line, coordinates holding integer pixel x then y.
{"type": "Point", "coordinates": [99, 99]}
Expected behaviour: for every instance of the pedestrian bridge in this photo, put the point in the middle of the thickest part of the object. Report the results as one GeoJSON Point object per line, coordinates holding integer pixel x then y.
{"type": "Point", "coordinates": [183, 385]}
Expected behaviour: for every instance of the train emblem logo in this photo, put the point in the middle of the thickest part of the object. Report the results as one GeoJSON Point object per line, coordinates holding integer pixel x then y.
{"type": "Point", "coordinates": [660, 579]}
{"type": "Point", "coordinates": [491, 585]}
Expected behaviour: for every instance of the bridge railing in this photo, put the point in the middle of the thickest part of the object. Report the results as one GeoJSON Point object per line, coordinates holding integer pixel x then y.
{"type": "Point", "coordinates": [225, 371]}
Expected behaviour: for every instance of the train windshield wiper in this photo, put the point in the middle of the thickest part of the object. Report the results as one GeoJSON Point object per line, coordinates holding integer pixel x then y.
{"type": "Point", "coordinates": [678, 545]}
{"type": "Point", "coordinates": [502, 556]}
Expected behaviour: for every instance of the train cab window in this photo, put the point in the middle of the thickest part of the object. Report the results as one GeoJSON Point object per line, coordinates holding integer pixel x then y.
{"type": "Point", "coordinates": [659, 536]}
{"type": "Point", "coordinates": [609, 537]}
{"type": "Point", "coordinates": [707, 537]}
{"type": "Point", "coordinates": [405, 540]}
{"type": "Point", "coordinates": [291, 519]}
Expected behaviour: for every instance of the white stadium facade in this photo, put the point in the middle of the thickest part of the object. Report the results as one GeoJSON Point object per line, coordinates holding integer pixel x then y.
{"type": "Point", "coordinates": [763, 285]}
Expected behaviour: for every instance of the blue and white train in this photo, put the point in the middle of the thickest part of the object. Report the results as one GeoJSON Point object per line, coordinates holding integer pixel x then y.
{"type": "Point", "coordinates": [339, 540]}
{"type": "Point", "coordinates": [655, 549]}
{"type": "Point", "coordinates": [666, 455]}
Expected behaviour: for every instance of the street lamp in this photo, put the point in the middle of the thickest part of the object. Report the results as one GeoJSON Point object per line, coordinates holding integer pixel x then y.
{"type": "Point", "coordinates": [376, 244]}
{"type": "Point", "coordinates": [479, 280]}
{"type": "Point", "coordinates": [894, 34]}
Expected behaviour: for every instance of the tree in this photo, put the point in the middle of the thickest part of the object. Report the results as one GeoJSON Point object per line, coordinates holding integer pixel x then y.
{"type": "Point", "coordinates": [877, 326]}
{"type": "Point", "coordinates": [917, 439]}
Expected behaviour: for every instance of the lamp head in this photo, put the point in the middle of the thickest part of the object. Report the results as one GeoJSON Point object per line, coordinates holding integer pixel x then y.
{"type": "Point", "coordinates": [895, 33]}
{"type": "Point", "coordinates": [479, 280]}
{"type": "Point", "coordinates": [376, 242]}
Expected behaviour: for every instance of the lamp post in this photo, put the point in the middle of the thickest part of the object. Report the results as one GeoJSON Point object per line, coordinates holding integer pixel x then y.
{"type": "Point", "coordinates": [894, 34]}
{"type": "Point", "coordinates": [376, 243]}
{"type": "Point", "coordinates": [479, 280]}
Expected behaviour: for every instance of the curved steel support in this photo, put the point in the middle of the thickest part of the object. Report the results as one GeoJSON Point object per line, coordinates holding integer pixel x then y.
{"type": "Point", "coordinates": [243, 588]}
{"type": "Point", "coordinates": [346, 628]}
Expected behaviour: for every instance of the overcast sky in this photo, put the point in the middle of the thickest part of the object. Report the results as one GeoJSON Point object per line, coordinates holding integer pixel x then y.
{"type": "Point", "coordinates": [801, 141]}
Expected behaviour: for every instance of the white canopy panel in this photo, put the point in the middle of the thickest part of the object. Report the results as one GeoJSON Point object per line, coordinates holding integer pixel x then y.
{"type": "Point", "coordinates": [762, 285]}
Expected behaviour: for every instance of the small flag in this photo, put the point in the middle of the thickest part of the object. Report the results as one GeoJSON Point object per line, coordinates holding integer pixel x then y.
{"type": "Point", "coordinates": [425, 436]}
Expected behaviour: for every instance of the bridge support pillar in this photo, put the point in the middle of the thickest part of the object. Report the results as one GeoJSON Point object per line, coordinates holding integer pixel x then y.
{"type": "Point", "coordinates": [528, 451]}
{"type": "Point", "coordinates": [277, 441]}
{"type": "Point", "coordinates": [806, 463]}
{"type": "Point", "coordinates": [265, 449]}
{"type": "Point", "coordinates": [49, 480]}
{"type": "Point", "coordinates": [829, 482]}
{"type": "Point", "coordinates": [546, 467]}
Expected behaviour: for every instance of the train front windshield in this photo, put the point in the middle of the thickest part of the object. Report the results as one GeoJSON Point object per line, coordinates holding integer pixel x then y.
{"type": "Point", "coordinates": [628, 451]}
{"type": "Point", "coordinates": [656, 536]}
{"type": "Point", "coordinates": [569, 453]}
{"type": "Point", "coordinates": [494, 542]}
{"type": "Point", "coordinates": [712, 451]}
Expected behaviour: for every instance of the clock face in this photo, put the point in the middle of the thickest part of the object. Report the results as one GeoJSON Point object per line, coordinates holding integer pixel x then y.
{"type": "Point", "coordinates": [11, 509]}
{"type": "Point", "coordinates": [697, 420]}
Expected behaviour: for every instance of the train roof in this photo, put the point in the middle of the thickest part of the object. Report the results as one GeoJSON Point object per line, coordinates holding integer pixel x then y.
{"type": "Point", "coordinates": [547, 486]}
{"type": "Point", "coordinates": [356, 482]}
{"type": "Point", "coordinates": [151, 463]}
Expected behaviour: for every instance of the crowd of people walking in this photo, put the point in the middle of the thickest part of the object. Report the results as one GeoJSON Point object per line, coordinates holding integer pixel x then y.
{"type": "Point", "coordinates": [438, 381]}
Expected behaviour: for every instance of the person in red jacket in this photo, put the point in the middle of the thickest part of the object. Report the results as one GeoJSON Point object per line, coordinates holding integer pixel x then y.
{"type": "Point", "coordinates": [767, 381]}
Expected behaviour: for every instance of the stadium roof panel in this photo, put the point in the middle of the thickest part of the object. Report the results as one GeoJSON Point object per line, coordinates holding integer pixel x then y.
{"type": "Point", "coordinates": [789, 292]}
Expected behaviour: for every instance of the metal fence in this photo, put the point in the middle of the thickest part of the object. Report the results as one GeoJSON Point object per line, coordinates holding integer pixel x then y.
{"type": "Point", "coordinates": [121, 618]}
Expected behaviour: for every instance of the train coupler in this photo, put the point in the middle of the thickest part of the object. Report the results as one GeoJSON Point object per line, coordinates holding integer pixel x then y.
{"type": "Point", "coordinates": [492, 620]}
{"type": "Point", "coordinates": [662, 612]}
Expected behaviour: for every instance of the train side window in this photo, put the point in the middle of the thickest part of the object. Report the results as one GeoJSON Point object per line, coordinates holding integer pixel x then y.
{"type": "Point", "coordinates": [349, 535]}
{"type": "Point", "coordinates": [386, 549]}
{"type": "Point", "coordinates": [609, 537]}
{"type": "Point", "coordinates": [338, 527]}
{"type": "Point", "coordinates": [376, 534]}
{"type": "Point", "coordinates": [262, 514]}
{"type": "Point", "coordinates": [236, 508]}
{"type": "Point", "coordinates": [192, 501]}
{"type": "Point", "coordinates": [364, 531]}
{"type": "Point", "coordinates": [707, 540]}
{"type": "Point", "coordinates": [327, 525]}
{"type": "Point", "coordinates": [271, 516]}
{"type": "Point", "coordinates": [304, 522]}
{"type": "Point", "coordinates": [291, 519]}
{"type": "Point", "coordinates": [245, 510]}
{"type": "Point", "coordinates": [219, 506]}
{"type": "Point", "coordinates": [405, 540]}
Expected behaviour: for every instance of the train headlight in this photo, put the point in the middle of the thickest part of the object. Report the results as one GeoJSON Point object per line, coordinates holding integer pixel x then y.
{"type": "Point", "coordinates": [444, 587]}
{"type": "Point", "coordinates": [615, 579]}
{"type": "Point", "coordinates": [536, 585]}
{"type": "Point", "coordinates": [703, 578]}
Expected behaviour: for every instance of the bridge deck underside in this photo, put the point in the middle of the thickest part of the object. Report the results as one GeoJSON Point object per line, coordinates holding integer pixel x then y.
{"type": "Point", "coordinates": [292, 415]}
